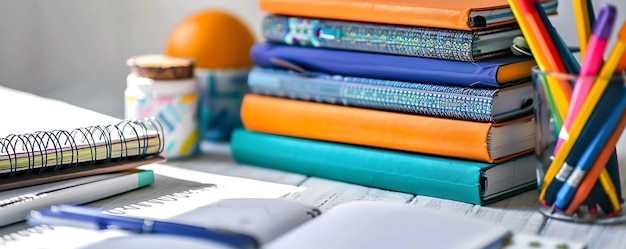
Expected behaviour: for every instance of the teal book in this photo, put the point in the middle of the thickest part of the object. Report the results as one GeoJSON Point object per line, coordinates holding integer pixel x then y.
{"type": "Point", "coordinates": [460, 180]}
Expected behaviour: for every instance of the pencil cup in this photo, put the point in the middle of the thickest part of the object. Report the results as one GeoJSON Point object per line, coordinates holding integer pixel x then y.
{"type": "Point", "coordinates": [580, 181]}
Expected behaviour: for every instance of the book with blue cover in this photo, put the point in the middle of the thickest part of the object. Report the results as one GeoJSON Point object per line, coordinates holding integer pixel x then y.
{"type": "Point", "coordinates": [415, 173]}
{"type": "Point", "coordinates": [447, 44]}
{"type": "Point", "coordinates": [498, 72]}
{"type": "Point", "coordinates": [467, 103]}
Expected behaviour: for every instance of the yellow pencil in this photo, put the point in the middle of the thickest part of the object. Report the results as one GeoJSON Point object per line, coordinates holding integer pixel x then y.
{"type": "Point", "coordinates": [602, 81]}
{"type": "Point", "coordinates": [609, 189]}
{"type": "Point", "coordinates": [583, 24]}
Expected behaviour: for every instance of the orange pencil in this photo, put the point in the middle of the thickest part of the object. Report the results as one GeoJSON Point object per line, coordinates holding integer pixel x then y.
{"type": "Point", "coordinates": [548, 45]}
{"type": "Point", "coordinates": [621, 41]}
{"type": "Point", "coordinates": [544, 41]}
{"type": "Point", "coordinates": [541, 45]}
{"type": "Point", "coordinates": [621, 67]}
{"type": "Point", "coordinates": [597, 169]}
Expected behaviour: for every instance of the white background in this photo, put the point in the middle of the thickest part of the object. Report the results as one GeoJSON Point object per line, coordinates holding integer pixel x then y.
{"type": "Point", "coordinates": [47, 45]}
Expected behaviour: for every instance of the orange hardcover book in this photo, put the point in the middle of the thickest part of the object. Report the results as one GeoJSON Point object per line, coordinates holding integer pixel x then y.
{"type": "Point", "coordinates": [485, 142]}
{"type": "Point", "coordinates": [446, 14]}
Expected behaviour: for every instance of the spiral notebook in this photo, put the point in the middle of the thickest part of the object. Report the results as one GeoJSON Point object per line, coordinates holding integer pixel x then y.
{"type": "Point", "coordinates": [44, 140]}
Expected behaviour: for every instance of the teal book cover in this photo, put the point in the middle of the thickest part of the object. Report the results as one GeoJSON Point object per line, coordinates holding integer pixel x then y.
{"type": "Point", "coordinates": [460, 180]}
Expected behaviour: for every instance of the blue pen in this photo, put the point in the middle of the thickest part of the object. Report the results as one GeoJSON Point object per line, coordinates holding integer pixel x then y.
{"type": "Point", "coordinates": [78, 216]}
{"type": "Point", "coordinates": [595, 145]}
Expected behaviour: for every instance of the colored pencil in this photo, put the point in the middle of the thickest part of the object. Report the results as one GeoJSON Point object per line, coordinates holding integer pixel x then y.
{"type": "Point", "coordinates": [594, 136]}
{"type": "Point", "coordinates": [569, 61]}
{"type": "Point", "coordinates": [583, 24]}
{"type": "Point", "coordinates": [598, 88]}
{"type": "Point", "coordinates": [590, 67]}
{"type": "Point", "coordinates": [597, 169]}
{"type": "Point", "coordinates": [555, 94]}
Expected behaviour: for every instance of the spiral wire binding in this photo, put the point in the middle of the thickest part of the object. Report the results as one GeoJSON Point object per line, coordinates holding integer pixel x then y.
{"type": "Point", "coordinates": [41, 151]}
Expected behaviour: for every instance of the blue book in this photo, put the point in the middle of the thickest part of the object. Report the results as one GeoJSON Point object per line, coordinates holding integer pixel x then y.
{"type": "Point", "coordinates": [497, 72]}
{"type": "Point", "coordinates": [447, 44]}
{"type": "Point", "coordinates": [467, 103]}
{"type": "Point", "coordinates": [414, 173]}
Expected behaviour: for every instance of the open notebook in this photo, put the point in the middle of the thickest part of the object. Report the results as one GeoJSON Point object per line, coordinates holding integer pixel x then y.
{"type": "Point", "coordinates": [44, 140]}
{"type": "Point", "coordinates": [284, 224]}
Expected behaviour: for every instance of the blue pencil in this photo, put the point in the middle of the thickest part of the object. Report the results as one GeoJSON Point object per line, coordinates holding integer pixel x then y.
{"type": "Point", "coordinates": [615, 100]}
{"type": "Point", "coordinates": [591, 13]}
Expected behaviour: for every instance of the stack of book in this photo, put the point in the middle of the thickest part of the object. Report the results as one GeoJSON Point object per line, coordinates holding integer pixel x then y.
{"type": "Point", "coordinates": [423, 97]}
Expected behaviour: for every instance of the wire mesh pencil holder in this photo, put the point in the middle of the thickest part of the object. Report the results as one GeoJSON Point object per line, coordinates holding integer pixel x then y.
{"type": "Point", "coordinates": [579, 183]}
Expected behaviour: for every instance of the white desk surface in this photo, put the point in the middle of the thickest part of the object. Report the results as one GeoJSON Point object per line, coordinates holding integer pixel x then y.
{"type": "Point", "coordinates": [517, 212]}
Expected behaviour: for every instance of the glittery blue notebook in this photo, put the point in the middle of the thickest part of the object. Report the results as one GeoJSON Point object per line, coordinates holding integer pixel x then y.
{"type": "Point", "coordinates": [467, 103]}
{"type": "Point", "coordinates": [460, 45]}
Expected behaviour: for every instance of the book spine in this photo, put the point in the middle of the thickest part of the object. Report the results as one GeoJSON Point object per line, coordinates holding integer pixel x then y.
{"type": "Point", "coordinates": [465, 103]}
{"type": "Point", "coordinates": [390, 39]}
{"type": "Point", "coordinates": [385, 169]}
{"type": "Point", "coordinates": [368, 127]}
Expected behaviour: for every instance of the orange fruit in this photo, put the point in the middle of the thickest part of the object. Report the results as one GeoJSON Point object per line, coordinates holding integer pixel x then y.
{"type": "Point", "coordinates": [215, 39]}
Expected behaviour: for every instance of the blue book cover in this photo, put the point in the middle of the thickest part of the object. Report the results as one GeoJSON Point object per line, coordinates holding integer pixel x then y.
{"type": "Point", "coordinates": [414, 173]}
{"type": "Point", "coordinates": [497, 72]}
{"type": "Point", "coordinates": [447, 44]}
{"type": "Point", "coordinates": [467, 103]}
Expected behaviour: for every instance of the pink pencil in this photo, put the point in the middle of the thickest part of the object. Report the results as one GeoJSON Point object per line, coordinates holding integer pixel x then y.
{"type": "Point", "coordinates": [590, 67]}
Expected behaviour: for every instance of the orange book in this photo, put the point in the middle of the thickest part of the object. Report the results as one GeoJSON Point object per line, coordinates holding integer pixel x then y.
{"type": "Point", "coordinates": [446, 14]}
{"type": "Point", "coordinates": [486, 142]}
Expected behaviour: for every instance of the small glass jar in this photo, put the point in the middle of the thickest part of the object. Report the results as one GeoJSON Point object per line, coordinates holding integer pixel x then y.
{"type": "Point", "coordinates": [170, 95]}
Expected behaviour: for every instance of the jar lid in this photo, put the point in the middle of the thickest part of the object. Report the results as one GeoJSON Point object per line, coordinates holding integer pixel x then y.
{"type": "Point", "coordinates": [161, 67]}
